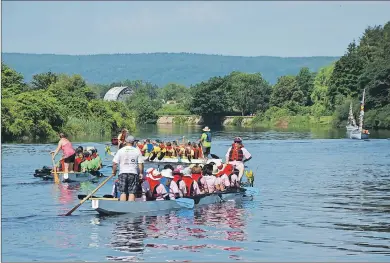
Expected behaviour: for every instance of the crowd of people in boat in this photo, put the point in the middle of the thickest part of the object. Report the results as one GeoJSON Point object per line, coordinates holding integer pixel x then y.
{"type": "Point", "coordinates": [171, 183]}
{"type": "Point", "coordinates": [76, 160]}
{"type": "Point", "coordinates": [171, 149]}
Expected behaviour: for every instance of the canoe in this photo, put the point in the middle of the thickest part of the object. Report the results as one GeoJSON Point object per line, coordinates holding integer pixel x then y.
{"type": "Point", "coordinates": [111, 206]}
{"type": "Point", "coordinates": [74, 177]}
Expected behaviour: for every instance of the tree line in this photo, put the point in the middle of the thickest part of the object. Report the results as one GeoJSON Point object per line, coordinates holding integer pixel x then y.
{"type": "Point", "coordinates": [53, 102]}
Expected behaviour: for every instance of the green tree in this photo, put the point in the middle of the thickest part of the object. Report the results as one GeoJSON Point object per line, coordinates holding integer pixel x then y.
{"type": "Point", "coordinates": [305, 82]}
{"type": "Point", "coordinates": [173, 91]}
{"type": "Point", "coordinates": [286, 90]}
{"type": "Point", "coordinates": [43, 81]}
{"type": "Point", "coordinates": [11, 81]}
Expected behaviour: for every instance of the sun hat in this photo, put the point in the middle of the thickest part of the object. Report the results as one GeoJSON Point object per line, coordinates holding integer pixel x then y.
{"type": "Point", "coordinates": [237, 139]}
{"type": "Point", "coordinates": [167, 173]}
{"type": "Point", "coordinates": [187, 172]}
{"type": "Point", "coordinates": [129, 138]}
{"type": "Point", "coordinates": [206, 128]}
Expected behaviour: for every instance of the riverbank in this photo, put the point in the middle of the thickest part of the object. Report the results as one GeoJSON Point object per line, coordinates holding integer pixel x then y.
{"type": "Point", "coordinates": [250, 121]}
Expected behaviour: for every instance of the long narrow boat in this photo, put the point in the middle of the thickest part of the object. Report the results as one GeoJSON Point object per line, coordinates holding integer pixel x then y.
{"type": "Point", "coordinates": [73, 177]}
{"type": "Point", "coordinates": [111, 206]}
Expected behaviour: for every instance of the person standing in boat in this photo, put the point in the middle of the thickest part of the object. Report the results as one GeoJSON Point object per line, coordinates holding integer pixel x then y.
{"type": "Point", "coordinates": [69, 154]}
{"type": "Point", "coordinates": [130, 161]}
{"type": "Point", "coordinates": [205, 140]}
{"type": "Point", "coordinates": [121, 138]}
{"type": "Point", "coordinates": [237, 155]}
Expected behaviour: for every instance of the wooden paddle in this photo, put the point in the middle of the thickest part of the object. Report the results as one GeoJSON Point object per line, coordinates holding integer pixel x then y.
{"type": "Point", "coordinates": [56, 179]}
{"type": "Point", "coordinates": [88, 196]}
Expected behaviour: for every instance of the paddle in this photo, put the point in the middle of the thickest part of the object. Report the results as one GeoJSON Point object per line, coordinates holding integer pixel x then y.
{"type": "Point", "coordinates": [56, 179]}
{"type": "Point", "coordinates": [81, 197]}
{"type": "Point", "coordinates": [252, 190]}
{"type": "Point", "coordinates": [214, 156]}
{"type": "Point", "coordinates": [88, 196]}
{"type": "Point", "coordinates": [185, 202]}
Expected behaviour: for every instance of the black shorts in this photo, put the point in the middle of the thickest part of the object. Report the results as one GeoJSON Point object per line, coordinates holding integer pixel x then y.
{"type": "Point", "coordinates": [128, 183]}
{"type": "Point", "coordinates": [70, 159]}
{"type": "Point", "coordinates": [206, 150]}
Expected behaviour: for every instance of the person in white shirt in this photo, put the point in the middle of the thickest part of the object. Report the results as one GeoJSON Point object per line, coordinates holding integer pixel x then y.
{"type": "Point", "coordinates": [209, 172]}
{"type": "Point", "coordinates": [131, 166]}
{"type": "Point", "coordinates": [170, 184]}
{"type": "Point", "coordinates": [237, 155]}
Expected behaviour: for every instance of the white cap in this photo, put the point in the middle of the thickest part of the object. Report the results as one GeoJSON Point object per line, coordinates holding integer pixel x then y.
{"type": "Point", "coordinates": [167, 173]}
{"type": "Point", "coordinates": [187, 172]}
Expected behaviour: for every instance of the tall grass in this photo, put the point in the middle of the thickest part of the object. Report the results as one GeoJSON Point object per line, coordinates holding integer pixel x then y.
{"type": "Point", "coordinates": [82, 127]}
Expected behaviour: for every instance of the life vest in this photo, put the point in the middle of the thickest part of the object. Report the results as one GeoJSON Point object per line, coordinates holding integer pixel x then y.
{"type": "Point", "coordinates": [140, 147]}
{"type": "Point", "coordinates": [94, 155]}
{"type": "Point", "coordinates": [187, 150]}
{"type": "Point", "coordinates": [153, 186]}
{"type": "Point", "coordinates": [236, 154]}
{"type": "Point", "coordinates": [170, 151]}
{"type": "Point", "coordinates": [208, 138]}
{"type": "Point", "coordinates": [62, 163]}
{"type": "Point", "coordinates": [189, 185]}
{"type": "Point", "coordinates": [149, 148]}
{"type": "Point", "coordinates": [77, 163]}
{"type": "Point", "coordinates": [197, 178]}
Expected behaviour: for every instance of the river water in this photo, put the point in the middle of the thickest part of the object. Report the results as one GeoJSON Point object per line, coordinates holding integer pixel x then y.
{"type": "Point", "coordinates": [322, 198]}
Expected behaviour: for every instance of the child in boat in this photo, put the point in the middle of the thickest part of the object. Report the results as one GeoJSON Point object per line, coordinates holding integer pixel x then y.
{"type": "Point", "coordinates": [223, 181]}
{"type": "Point", "coordinates": [77, 162]}
{"type": "Point", "coordinates": [169, 184]}
{"type": "Point", "coordinates": [170, 151]}
{"type": "Point", "coordinates": [196, 172]}
{"type": "Point", "coordinates": [209, 172]}
{"type": "Point", "coordinates": [192, 187]}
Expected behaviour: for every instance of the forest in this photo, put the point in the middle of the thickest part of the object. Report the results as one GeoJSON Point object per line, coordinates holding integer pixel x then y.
{"type": "Point", "coordinates": [53, 102]}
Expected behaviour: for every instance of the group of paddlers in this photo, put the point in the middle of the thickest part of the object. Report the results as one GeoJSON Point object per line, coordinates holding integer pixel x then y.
{"type": "Point", "coordinates": [175, 149]}
{"type": "Point", "coordinates": [171, 183]}
{"type": "Point", "coordinates": [76, 160]}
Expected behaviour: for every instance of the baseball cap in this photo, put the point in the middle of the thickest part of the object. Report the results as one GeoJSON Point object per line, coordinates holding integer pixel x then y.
{"type": "Point", "coordinates": [129, 138]}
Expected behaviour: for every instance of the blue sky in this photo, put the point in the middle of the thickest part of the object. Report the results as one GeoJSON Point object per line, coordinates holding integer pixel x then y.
{"type": "Point", "coordinates": [230, 28]}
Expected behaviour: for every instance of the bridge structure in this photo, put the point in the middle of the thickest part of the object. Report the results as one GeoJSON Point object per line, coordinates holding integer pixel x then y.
{"type": "Point", "coordinates": [118, 93]}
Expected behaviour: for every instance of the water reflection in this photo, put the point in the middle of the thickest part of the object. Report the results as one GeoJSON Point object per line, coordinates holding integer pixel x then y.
{"type": "Point", "coordinates": [208, 223]}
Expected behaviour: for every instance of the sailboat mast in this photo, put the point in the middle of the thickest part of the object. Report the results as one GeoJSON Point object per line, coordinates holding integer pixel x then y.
{"type": "Point", "coordinates": [362, 112]}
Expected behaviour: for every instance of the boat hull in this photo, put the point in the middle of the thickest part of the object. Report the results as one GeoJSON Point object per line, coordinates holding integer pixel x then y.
{"type": "Point", "coordinates": [111, 206]}
{"type": "Point", "coordinates": [76, 177]}
{"type": "Point", "coordinates": [358, 135]}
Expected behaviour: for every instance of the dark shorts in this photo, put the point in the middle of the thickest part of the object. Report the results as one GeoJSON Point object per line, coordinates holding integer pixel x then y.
{"type": "Point", "coordinates": [128, 183]}
{"type": "Point", "coordinates": [70, 159]}
{"type": "Point", "coordinates": [206, 150]}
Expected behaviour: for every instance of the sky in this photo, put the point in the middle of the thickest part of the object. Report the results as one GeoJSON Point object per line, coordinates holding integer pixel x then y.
{"type": "Point", "coordinates": [256, 28]}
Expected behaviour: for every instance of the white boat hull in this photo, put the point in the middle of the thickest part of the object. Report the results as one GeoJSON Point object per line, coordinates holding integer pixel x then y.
{"type": "Point", "coordinates": [110, 206]}
{"type": "Point", "coordinates": [358, 135]}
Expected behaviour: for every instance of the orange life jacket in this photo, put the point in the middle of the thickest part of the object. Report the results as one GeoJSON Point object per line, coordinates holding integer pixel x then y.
{"type": "Point", "coordinates": [170, 151]}
{"type": "Point", "coordinates": [153, 186]}
{"type": "Point", "coordinates": [189, 185]}
{"type": "Point", "coordinates": [236, 153]}
{"type": "Point", "coordinates": [62, 162]}
{"type": "Point", "coordinates": [77, 163]}
{"type": "Point", "coordinates": [196, 152]}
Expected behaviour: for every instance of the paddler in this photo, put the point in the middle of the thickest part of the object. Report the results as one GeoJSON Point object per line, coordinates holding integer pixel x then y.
{"type": "Point", "coordinates": [169, 184]}
{"type": "Point", "coordinates": [237, 155]}
{"type": "Point", "coordinates": [192, 187]}
{"type": "Point", "coordinates": [131, 167]}
{"type": "Point", "coordinates": [196, 174]}
{"type": "Point", "coordinates": [121, 138]}
{"type": "Point", "coordinates": [223, 181]}
{"type": "Point", "coordinates": [205, 140]}
{"type": "Point", "coordinates": [78, 161]}
{"type": "Point", "coordinates": [178, 178]}
{"type": "Point", "coordinates": [148, 148]}
{"type": "Point", "coordinates": [209, 172]}
{"type": "Point", "coordinates": [86, 165]}
{"type": "Point", "coordinates": [170, 151]}
{"type": "Point", "coordinates": [69, 153]}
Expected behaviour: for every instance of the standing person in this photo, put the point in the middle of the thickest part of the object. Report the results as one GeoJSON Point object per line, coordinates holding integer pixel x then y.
{"type": "Point", "coordinates": [129, 159]}
{"type": "Point", "coordinates": [69, 153]}
{"type": "Point", "coordinates": [205, 140]}
{"type": "Point", "coordinates": [121, 138]}
{"type": "Point", "coordinates": [237, 155]}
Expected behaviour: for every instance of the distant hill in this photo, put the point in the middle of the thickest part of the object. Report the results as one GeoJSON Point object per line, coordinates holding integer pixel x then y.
{"type": "Point", "coordinates": [159, 68]}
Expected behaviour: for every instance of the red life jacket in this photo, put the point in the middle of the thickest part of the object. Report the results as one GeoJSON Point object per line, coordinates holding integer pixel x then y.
{"type": "Point", "coordinates": [227, 170]}
{"type": "Point", "coordinates": [140, 147]}
{"type": "Point", "coordinates": [236, 153]}
{"type": "Point", "coordinates": [153, 186]}
{"type": "Point", "coordinates": [177, 178]}
{"type": "Point", "coordinates": [197, 178]}
{"type": "Point", "coordinates": [77, 163]}
{"type": "Point", "coordinates": [189, 185]}
{"type": "Point", "coordinates": [62, 162]}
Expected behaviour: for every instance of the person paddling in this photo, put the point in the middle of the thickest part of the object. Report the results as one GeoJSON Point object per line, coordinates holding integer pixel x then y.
{"type": "Point", "coordinates": [205, 140]}
{"type": "Point", "coordinates": [69, 153]}
{"type": "Point", "coordinates": [237, 155]}
{"type": "Point", "coordinates": [129, 159]}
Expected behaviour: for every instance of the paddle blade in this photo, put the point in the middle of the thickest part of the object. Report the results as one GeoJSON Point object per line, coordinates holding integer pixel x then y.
{"type": "Point", "coordinates": [252, 190]}
{"type": "Point", "coordinates": [214, 156]}
{"type": "Point", "coordinates": [185, 202]}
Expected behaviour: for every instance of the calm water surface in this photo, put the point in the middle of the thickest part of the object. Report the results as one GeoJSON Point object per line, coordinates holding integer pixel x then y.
{"type": "Point", "coordinates": [321, 199]}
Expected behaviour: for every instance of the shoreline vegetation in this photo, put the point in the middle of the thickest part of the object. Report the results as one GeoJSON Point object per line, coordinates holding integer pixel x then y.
{"type": "Point", "coordinates": [50, 102]}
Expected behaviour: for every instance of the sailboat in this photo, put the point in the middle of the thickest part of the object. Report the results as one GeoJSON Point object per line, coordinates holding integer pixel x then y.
{"type": "Point", "coordinates": [358, 132]}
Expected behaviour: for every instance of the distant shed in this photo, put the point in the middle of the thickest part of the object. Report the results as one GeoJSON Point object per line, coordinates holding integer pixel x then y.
{"type": "Point", "coordinates": [118, 93]}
